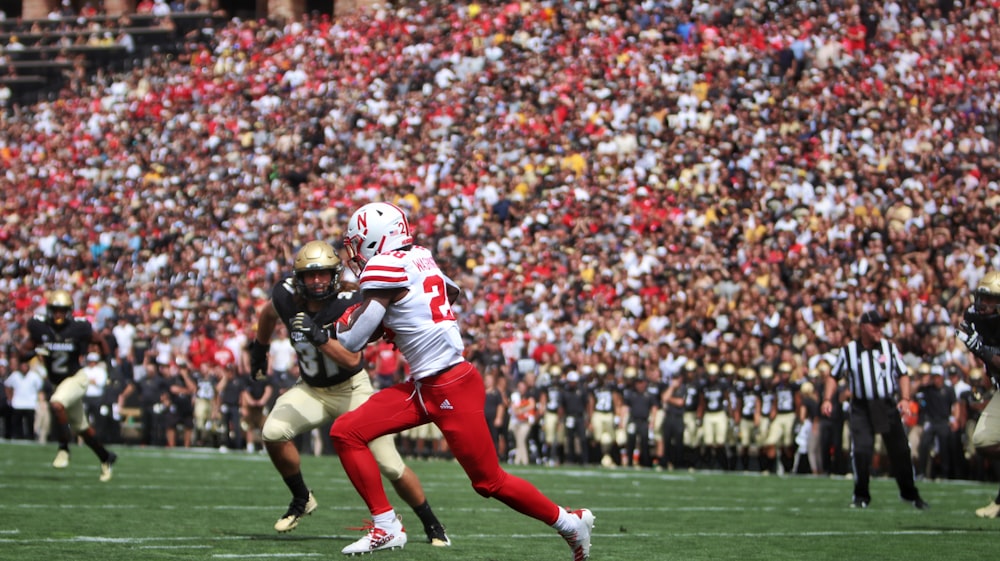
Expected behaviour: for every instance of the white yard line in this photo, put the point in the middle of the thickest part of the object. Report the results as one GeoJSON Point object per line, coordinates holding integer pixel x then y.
{"type": "Point", "coordinates": [149, 542]}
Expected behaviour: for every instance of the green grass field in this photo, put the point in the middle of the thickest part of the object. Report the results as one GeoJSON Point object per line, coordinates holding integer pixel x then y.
{"type": "Point", "coordinates": [201, 504]}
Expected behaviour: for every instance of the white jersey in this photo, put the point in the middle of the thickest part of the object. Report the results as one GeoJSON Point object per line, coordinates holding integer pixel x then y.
{"type": "Point", "coordinates": [425, 328]}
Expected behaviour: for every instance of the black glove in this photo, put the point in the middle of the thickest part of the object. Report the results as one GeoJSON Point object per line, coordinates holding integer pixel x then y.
{"type": "Point", "coordinates": [307, 328]}
{"type": "Point", "coordinates": [258, 359]}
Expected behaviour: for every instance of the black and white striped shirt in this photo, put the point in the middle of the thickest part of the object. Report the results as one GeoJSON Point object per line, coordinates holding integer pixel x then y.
{"type": "Point", "coordinates": [872, 373]}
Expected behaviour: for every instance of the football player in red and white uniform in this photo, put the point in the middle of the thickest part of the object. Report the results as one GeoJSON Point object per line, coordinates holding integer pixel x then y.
{"type": "Point", "coordinates": [407, 296]}
{"type": "Point", "coordinates": [332, 382]}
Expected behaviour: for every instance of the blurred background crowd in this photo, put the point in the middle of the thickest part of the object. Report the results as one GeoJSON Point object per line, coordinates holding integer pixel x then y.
{"type": "Point", "coordinates": [620, 187]}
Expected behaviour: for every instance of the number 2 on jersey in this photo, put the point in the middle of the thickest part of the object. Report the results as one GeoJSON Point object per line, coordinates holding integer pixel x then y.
{"type": "Point", "coordinates": [440, 308]}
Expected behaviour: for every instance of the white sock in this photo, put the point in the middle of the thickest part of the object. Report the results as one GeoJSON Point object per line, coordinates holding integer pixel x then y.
{"type": "Point", "coordinates": [566, 522]}
{"type": "Point", "coordinates": [387, 521]}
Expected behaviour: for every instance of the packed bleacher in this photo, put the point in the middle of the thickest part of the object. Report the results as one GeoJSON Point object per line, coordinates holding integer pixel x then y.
{"type": "Point", "coordinates": [615, 183]}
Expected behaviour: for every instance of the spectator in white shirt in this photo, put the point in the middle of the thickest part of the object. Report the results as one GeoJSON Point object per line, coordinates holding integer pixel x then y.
{"type": "Point", "coordinates": [24, 393]}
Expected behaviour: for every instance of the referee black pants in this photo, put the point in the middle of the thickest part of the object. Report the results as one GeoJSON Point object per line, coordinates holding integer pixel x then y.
{"type": "Point", "coordinates": [865, 424]}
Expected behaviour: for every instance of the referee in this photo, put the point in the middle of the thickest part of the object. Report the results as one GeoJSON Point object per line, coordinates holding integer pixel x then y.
{"type": "Point", "coordinates": [875, 374]}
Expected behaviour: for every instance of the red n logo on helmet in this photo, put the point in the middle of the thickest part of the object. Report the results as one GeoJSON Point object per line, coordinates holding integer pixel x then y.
{"type": "Point", "coordinates": [363, 223]}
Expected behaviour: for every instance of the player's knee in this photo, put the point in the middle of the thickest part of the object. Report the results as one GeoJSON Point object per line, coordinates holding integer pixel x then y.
{"type": "Point", "coordinates": [276, 431]}
{"type": "Point", "coordinates": [486, 489]}
{"type": "Point", "coordinates": [489, 484]}
{"type": "Point", "coordinates": [392, 472]}
{"type": "Point", "coordinates": [606, 439]}
{"type": "Point", "coordinates": [343, 435]}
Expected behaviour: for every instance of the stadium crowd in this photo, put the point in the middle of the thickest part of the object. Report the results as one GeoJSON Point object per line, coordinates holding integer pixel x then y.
{"type": "Point", "coordinates": [619, 187]}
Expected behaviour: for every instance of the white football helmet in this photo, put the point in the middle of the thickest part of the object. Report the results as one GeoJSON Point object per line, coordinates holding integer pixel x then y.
{"type": "Point", "coordinates": [373, 229]}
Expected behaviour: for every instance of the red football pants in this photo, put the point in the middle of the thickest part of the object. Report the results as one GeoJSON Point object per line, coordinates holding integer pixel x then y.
{"type": "Point", "coordinates": [454, 401]}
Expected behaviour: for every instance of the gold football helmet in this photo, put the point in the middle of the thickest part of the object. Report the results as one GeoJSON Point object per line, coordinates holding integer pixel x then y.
{"type": "Point", "coordinates": [315, 256]}
{"type": "Point", "coordinates": [984, 314]}
{"type": "Point", "coordinates": [59, 307]}
{"type": "Point", "coordinates": [987, 295]}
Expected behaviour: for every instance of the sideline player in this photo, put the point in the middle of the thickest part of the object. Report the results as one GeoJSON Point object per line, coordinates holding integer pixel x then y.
{"type": "Point", "coordinates": [332, 382]}
{"type": "Point", "coordinates": [980, 331]}
{"type": "Point", "coordinates": [406, 296]}
{"type": "Point", "coordinates": [60, 341]}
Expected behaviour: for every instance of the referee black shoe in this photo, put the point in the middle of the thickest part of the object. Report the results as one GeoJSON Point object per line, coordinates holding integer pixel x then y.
{"type": "Point", "coordinates": [859, 503]}
{"type": "Point", "coordinates": [920, 504]}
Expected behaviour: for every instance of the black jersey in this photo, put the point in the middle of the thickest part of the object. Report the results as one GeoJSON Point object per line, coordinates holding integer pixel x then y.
{"type": "Point", "coordinates": [552, 394]}
{"type": "Point", "coordinates": [784, 397]}
{"type": "Point", "coordinates": [692, 393]}
{"type": "Point", "coordinates": [748, 396]}
{"type": "Point", "coordinates": [317, 369]}
{"type": "Point", "coordinates": [573, 401]}
{"type": "Point", "coordinates": [640, 404]}
{"type": "Point", "coordinates": [716, 393]}
{"type": "Point", "coordinates": [65, 345]}
{"type": "Point", "coordinates": [768, 399]}
{"type": "Point", "coordinates": [604, 398]}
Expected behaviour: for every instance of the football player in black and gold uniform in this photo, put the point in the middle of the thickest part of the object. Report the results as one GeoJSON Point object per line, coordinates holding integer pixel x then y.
{"type": "Point", "coordinates": [332, 382]}
{"type": "Point", "coordinates": [61, 341]}
{"type": "Point", "coordinates": [980, 331]}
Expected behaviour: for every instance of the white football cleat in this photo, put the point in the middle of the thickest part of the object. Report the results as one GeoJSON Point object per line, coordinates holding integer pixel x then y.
{"type": "Point", "coordinates": [991, 510]}
{"type": "Point", "coordinates": [62, 459]}
{"type": "Point", "coordinates": [579, 540]}
{"type": "Point", "coordinates": [378, 539]}
{"type": "Point", "coordinates": [290, 520]}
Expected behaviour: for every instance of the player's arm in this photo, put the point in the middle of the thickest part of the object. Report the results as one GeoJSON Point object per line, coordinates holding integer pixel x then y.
{"type": "Point", "coordinates": [989, 354]}
{"type": "Point", "coordinates": [28, 348]}
{"type": "Point", "coordinates": [189, 385]}
{"type": "Point", "coordinates": [267, 319]}
{"type": "Point", "coordinates": [357, 326]}
{"type": "Point", "coordinates": [325, 338]}
{"type": "Point", "coordinates": [339, 354]}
